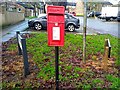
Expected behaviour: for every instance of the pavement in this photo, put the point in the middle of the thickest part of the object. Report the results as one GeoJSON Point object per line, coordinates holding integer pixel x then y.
{"type": "Point", "coordinates": [89, 31]}
{"type": "Point", "coordinates": [9, 32]}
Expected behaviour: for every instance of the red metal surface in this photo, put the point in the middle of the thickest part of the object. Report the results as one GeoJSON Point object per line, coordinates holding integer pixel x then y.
{"type": "Point", "coordinates": [55, 25]}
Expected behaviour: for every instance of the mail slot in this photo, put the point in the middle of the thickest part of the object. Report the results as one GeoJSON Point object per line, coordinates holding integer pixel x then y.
{"type": "Point", "coordinates": [55, 25]}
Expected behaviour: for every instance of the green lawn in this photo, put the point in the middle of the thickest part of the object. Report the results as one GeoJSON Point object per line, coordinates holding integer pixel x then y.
{"type": "Point", "coordinates": [31, 17]}
{"type": "Point", "coordinates": [37, 45]}
{"type": "Point", "coordinates": [74, 75]}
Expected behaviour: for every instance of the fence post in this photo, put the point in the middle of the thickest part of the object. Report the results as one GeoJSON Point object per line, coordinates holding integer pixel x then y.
{"type": "Point", "coordinates": [109, 48]}
{"type": "Point", "coordinates": [25, 58]}
{"type": "Point", "coordinates": [107, 44]}
{"type": "Point", "coordinates": [105, 60]}
{"type": "Point", "coordinates": [19, 49]}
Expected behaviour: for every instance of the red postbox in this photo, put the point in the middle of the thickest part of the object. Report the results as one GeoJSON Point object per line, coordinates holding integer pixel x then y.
{"type": "Point", "coordinates": [55, 25]}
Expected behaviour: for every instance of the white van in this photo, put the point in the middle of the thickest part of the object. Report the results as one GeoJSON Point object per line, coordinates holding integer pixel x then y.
{"type": "Point", "coordinates": [109, 13]}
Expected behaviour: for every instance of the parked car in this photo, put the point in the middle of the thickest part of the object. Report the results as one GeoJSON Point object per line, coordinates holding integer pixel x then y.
{"type": "Point", "coordinates": [118, 17]}
{"type": "Point", "coordinates": [93, 13]}
{"type": "Point", "coordinates": [71, 22]}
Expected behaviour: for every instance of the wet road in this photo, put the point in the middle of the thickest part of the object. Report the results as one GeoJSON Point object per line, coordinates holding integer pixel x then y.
{"type": "Point", "coordinates": [103, 27]}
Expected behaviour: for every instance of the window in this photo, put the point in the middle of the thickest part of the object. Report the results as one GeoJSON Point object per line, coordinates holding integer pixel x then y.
{"type": "Point", "coordinates": [66, 16]}
{"type": "Point", "coordinates": [44, 17]}
{"type": "Point", "coordinates": [119, 14]}
{"type": "Point", "coordinates": [71, 16]}
{"type": "Point", "coordinates": [19, 9]}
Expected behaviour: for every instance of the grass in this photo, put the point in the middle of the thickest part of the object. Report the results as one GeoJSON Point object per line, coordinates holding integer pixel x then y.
{"type": "Point", "coordinates": [80, 15]}
{"type": "Point", "coordinates": [12, 47]}
{"type": "Point", "coordinates": [44, 58]}
{"type": "Point", "coordinates": [78, 69]}
{"type": "Point", "coordinates": [97, 83]}
{"type": "Point", "coordinates": [5, 26]}
{"type": "Point", "coordinates": [114, 80]}
{"type": "Point", "coordinates": [8, 33]}
{"type": "Point", "coordinates": [31, 17]}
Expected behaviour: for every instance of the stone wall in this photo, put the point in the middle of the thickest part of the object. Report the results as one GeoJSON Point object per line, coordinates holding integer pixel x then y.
{"type": "Point", "coordinates": [7, 17]}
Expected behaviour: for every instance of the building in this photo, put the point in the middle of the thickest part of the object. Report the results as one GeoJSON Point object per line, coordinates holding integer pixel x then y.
{"type": "Point", "coordinates": [79, 8]}
{"type": "Point", "coordinates": [70, 6]}
{"type": "Point", "coordinates": [11, 13]}
{"type": "Point", "coordinates": [31, 8]}
{"type": "Point", "coordinates": [91, 6]}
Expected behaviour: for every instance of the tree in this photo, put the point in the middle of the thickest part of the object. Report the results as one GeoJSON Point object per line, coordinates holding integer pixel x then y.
{"type": "Point", "coordinates": [94, 6]}
{"type": "Point", "coordinates": [60, 3]}
{"type": "Point", "coordinates": [35, 4]}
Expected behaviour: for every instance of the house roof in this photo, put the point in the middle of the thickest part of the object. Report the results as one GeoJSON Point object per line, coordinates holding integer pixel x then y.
{"type": "Point", "coordinates": [26, 5]}
{"type": "Point", "coordinates": [107, 3]}
{"type": "Point", "coordinates": [10, 4]}
{"type": "Point", "coordinates": [29, 5]}
{"type": "Point", "coordinates": [71, 4]}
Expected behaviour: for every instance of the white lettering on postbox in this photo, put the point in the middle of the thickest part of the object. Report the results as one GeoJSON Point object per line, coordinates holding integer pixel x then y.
{"type": "Point", "coordinates": [56, 33]}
